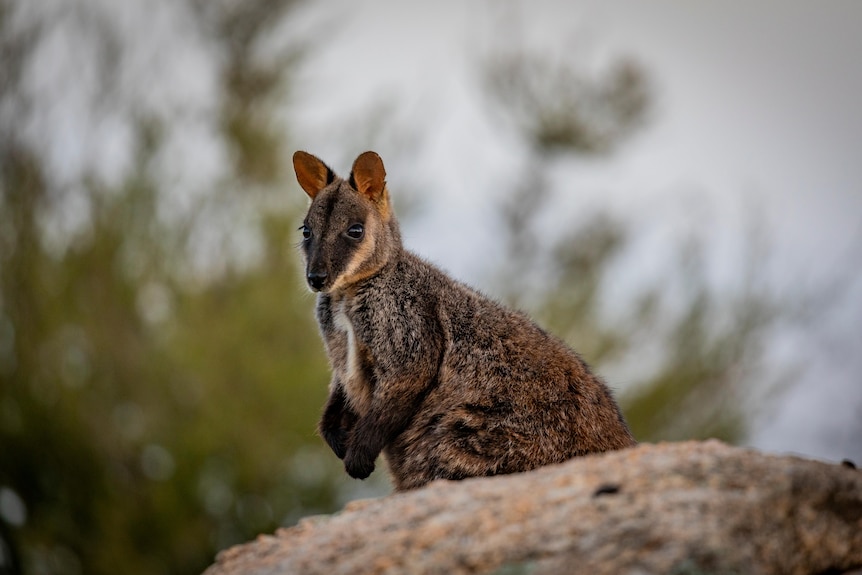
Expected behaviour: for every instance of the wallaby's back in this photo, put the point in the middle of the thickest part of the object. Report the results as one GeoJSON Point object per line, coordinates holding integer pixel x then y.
{"type": "Point", "coordinates": [447, 382]}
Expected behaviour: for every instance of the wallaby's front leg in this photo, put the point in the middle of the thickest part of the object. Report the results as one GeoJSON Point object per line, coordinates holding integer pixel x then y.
{"type": "Point", "coordinates": [404, 351]}
{"type": "Point", "coordinates": [369, 436]}
{"type": "Point", "coordinates": [394, 404]}
{"type": "Point", "coordinates": [337, 421]}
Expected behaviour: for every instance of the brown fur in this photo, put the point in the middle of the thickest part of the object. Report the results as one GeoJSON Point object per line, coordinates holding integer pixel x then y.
{"type": "Point", "coordinates": [446, 382]}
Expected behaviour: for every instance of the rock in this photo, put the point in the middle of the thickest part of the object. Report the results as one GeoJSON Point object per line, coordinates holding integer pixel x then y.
{"type": "Point", "coordinates": [694, 507]}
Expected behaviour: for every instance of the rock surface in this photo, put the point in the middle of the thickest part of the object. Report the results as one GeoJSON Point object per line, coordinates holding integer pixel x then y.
{"type": "Point", "coordinates": [694, 507]}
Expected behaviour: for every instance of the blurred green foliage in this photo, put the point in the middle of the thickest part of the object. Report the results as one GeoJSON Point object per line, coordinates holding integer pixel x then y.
{"type": "Point", "coordinates": [152, 415]}
{"type": "Point", "coordinates": [146, 417]}
{"type": "Point", "coordinates": [153, 411]}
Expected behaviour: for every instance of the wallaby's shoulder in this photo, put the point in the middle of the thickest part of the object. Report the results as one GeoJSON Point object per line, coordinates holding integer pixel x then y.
{"type": "Point", "coordinates": [400, 303]}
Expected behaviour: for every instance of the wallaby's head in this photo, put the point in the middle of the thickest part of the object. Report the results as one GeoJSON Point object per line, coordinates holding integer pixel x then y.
{"type": "Point", "coordinates": [349, 232]}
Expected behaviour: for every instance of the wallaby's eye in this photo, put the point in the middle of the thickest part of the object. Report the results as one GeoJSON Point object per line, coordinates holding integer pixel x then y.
{"type": "Point", "coordinates": [306, 232]}
{"type": "Point", "coordinates": [355, 231]}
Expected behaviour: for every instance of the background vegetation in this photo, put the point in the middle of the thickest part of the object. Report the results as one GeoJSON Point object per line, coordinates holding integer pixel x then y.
{"type": "Point", "coordinates": [160, 370]}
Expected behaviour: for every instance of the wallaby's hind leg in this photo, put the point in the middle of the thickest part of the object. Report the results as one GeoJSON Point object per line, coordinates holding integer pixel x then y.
{"type": "Point", "coordinates": [453, 446]}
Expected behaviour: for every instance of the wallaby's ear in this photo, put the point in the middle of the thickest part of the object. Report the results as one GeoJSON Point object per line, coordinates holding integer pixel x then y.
{"type": "Point", "coordinates": [311, 173]}
{"type": "Point", "coordinates": [368, 176]}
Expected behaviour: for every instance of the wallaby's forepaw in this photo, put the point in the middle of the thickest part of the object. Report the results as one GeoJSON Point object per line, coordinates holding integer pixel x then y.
{"type": "Point", "coordinates": [358, 464]}
{"type": "Point", "coordinates": [337, 441]}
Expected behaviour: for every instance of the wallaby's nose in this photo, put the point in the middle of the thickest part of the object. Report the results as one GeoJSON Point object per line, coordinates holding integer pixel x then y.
{"type": "Point", "coordinates": [316, 279]}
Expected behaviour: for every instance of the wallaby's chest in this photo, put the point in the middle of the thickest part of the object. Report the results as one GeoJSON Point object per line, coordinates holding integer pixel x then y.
{"type": "Point", "coordinates": [351, 358]}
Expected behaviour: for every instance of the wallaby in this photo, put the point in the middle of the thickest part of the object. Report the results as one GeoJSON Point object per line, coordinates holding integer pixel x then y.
{"type": "Point", "coordinates": [446, 382]}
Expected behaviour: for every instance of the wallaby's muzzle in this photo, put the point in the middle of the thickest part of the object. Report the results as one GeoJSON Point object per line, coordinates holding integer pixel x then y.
{"type": "Point", "coordinates": [318, 267]}
{"type": "Point", "coordinates": [316, 280]}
